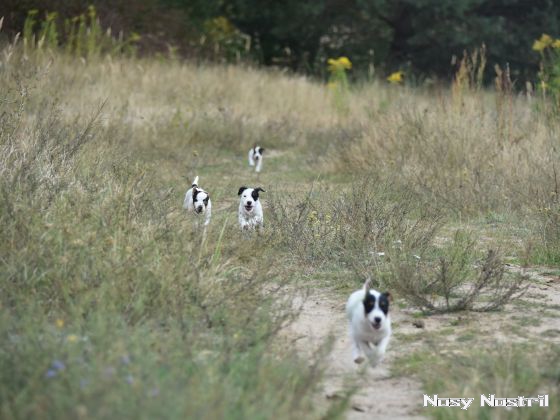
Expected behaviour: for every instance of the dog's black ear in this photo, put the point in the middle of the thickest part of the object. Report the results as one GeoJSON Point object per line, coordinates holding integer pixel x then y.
{"type": "Point", "coordinates": [261, 149]}
{"type": "Point", "coordinates": [388, 296]}
{"type": "Point", "coordinates": [194, 193]}
{"type": "Point", "coordinates": [241, 190]}
{"type": "Point", "coordinates": [255, 193]}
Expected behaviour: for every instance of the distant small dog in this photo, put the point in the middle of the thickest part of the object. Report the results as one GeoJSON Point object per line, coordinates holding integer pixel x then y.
{"type": "Point", "coordinates": [370, 324]}
{"type": "Point", "coordinates": [250, 209]}
{"type": "Point", "coordinates": [256, 157]}
{"type": "Point", "coordinates": [198, 201]}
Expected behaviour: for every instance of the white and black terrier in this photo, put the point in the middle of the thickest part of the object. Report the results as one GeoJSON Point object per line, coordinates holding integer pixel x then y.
{"type": "Point", "coordinates": [250, 209]}
{"type": "Point", "coordinates": [256, 157]}
{"type": "Point", "coordinates": [370, 324]}
{"type": "Point", "coordinates": [198, 201]}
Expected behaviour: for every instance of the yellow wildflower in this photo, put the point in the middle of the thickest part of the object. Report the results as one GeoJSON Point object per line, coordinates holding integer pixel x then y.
{"type": "Point", "coordinates": [345, 63]}
{"type": "Point", "coordinates": [546, 39]}
{"type": "Point", "coordinates": [556, 43]}
{"type": "Point", "coordinates": [72, 338]}
{"type": "Point", "coordinates": [59, 323]}
{"type": "Point", "coordinates": [538, 46]}
{"type": "Point", "coordinates": [340, 63]}
{"type": "Point", "coordinates": [396, 77]}
{"type": "Point", "coordinates": [543, 42]}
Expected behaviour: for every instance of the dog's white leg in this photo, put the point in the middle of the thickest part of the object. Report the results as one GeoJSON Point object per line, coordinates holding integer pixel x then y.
{"type": "Point", "coordinates": [259, 165]}
{"type": "Point", "coordinates": [382, 346]}
{"type": "Point", "coordinates": [370, 352]}
{"type": "Point", "coordinates": [357, 351]}
{"type": "Point", "coordinates": [378, 352]}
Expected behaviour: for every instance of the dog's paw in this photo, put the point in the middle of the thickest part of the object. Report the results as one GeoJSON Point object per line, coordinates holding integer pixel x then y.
{"type": "Point", "coordinates": [375, 360]}
{"type": "Point", "coordinates": [359, 359]}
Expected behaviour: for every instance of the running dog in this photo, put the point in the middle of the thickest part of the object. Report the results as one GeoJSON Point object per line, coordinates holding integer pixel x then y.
{"type": "Point", "coordinates": [370, 324]}
{"type": "Point", "coordinates": [198, 201]}
{"type": "Point", "coordinates": [256, 157]}
{"type": "Point", "coordinates": [250, 210]}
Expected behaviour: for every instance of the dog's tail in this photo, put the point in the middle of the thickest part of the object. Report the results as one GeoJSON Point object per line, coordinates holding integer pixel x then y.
{"type": "Point", "coordinates": [367, 284]}
{"type": "Point", "coordinates": [195, 182]}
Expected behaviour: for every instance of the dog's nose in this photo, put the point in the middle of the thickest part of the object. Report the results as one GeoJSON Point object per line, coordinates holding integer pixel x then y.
{"type": "Point", "coordinates": [377, 319]}
{"type": "Point", "coordinates": [249, 203]}
{"type": "Point", "coordinates": [199, 208]}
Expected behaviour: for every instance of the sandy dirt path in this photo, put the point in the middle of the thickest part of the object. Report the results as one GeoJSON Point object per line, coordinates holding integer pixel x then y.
{"type": "Point", "coordinates": [379, 395]}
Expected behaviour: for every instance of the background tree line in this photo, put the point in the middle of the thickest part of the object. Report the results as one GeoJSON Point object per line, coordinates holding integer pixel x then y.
{"type": "Point", "coordinates": [420, 36]}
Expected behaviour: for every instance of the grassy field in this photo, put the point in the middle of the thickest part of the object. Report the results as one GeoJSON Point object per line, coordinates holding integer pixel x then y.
{"type": "Point", "coordinates": [114, 306]}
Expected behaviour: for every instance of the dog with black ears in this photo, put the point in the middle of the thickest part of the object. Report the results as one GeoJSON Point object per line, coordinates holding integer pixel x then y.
{"type": "Point", "coordinates": [256, 157]}
{"type": "Point", "coordinates": [250, 214]}
{"type": "Point", "coordinates": [370, 324]}
{"type": "Point", "coordinates": [198, 201]}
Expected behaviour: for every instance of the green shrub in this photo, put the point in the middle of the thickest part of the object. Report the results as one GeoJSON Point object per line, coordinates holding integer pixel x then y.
{"type": "Point", "coordinates": [451, 277]}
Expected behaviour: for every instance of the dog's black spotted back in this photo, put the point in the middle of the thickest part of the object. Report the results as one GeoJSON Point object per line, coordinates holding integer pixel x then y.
{"type": "Point", "coordinates": [369, 302]}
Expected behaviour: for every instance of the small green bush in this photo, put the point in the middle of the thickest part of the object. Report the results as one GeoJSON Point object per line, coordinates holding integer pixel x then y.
{"type": "Point", "coordinates": [452, 277]}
